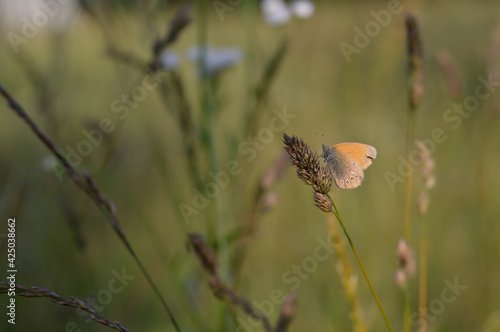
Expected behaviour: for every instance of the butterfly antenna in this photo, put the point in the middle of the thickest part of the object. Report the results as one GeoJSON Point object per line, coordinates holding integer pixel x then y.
{"type": "Point", "coordinates": [321, 136]}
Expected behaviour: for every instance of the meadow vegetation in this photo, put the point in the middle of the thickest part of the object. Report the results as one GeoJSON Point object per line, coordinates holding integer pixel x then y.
{"type": "Point", "coordinates": [188, 167]}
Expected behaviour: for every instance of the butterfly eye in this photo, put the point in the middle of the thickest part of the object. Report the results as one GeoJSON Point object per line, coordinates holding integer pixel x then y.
{"type": "Point", "coordinates": [363, 158]}
{"type": "Point", "coordinates": [357, 171]}
{"type": "Point", "coordinates": [357, 176]}
{"type": "Point", "coordinates": [353, 163]}
{"type": "Point", "coordinates": [342, 181]}
{"type": "Point", "coordinates": [347, 181]}
{"type": "Point", "coordinates": [352, 178]}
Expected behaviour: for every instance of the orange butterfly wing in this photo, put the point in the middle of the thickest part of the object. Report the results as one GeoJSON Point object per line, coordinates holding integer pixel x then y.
{"type": "Point", "coordinates": [361, 153]}
{"type": "Point", "coordinates": [347, 161]}
{"type": "Point", "coordinates": [347, 173]}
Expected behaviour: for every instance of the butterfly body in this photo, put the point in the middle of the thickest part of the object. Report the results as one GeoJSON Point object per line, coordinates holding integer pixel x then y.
{"type": "Point", "coordinates": [347, 161]}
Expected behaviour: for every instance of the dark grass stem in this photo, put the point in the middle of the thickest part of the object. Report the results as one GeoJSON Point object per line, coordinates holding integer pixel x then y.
{"type": "Point", "coordinates": [73, 303]}
{"type": "Point", "coordinates": [263, 87]}
{"type": "Point", "coordinates": [172, 91]}
{"type": "Point", "coordinates": [221, 290]}
{"type": "Point", "coordinates": [87, 185]}
{"type": "Point", "coordinates": [208, 259]}
{"type": "Point", "coordinates": [244, 234]}
{"type": "Point", "coordinates": [189, 131]}
{"type": "Point", "coordinates": [250, 220]}
{"type": "Point", "coordinates": [415, 93]}
{"type": "Point", "coordinates": [255, 112]}
{"type": "Point", "coordinates": [339, 218]}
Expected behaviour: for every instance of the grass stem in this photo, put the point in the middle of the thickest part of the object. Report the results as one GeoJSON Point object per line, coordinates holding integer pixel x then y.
{"type": "Point", "coordinates": [408, 212]}
{"type": "Point", "coordinates": [422, 287]}
{"type": "Point", "coordinates": [209, 111]}
{"type": "Point", "coordinates": [346, 275]}
{"type": "Point", "coordinates": [360, 264]}
{"type": "Point", "coordinates": [410, 134]}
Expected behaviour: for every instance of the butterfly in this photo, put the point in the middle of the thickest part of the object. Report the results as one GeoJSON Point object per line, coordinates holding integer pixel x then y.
{"type": "Point", "coordinates": [347, 161]}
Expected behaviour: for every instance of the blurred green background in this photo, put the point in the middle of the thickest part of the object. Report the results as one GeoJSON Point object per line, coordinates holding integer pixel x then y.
{"type": "Point", "coordinates": [67, 82]}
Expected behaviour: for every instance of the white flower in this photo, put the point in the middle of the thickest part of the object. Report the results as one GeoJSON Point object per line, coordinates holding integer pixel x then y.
{"type": "Point", "coordinates": [302, 8]}
{"type": "Point", "coordinates": [275, 12]}
{"type": "Point", "coordinates": [215, 60]}
{"type": "Point", "coordinates": [169, 60]}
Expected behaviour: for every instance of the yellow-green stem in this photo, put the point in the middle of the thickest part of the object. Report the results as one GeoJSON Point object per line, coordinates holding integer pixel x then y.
{"type": "Point", "coordinates": [210, 130]}
{"type": "Point", "coordinates": [422, 289]}
{"type": "Point", "coordinates": [407, 309]}
{"type": "Point", "coordinates": [409, 178]}
{"type": "Point", "coordinates": [408, 211]}
{"type": "Point", "coordinates": [336, 213]}
{"type": "Point", "coordinates": [346, 274]}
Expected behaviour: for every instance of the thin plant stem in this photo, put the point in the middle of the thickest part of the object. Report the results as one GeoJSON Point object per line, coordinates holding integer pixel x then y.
{"type": "Point", "coordinates": [410, 133]}
{"type": "Point", "coordinates": [209, 109]}
{"type": "Point", "coordinates": [406, 308]}
{"type": "Point", "coordinates": [422, 289]}
{"type": "Point", "coordinates": [360, 264]}
{"type": "Point", "coordinates": [87, 185]}
{"type": "Point", "coordinates": [186, 123]}
{"type": "Point", "coordinates": [220, 288]}
{"type": "Point", "coordinates": [346, 275]}
{"type": "Point", "coordinates": [408, 213]}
